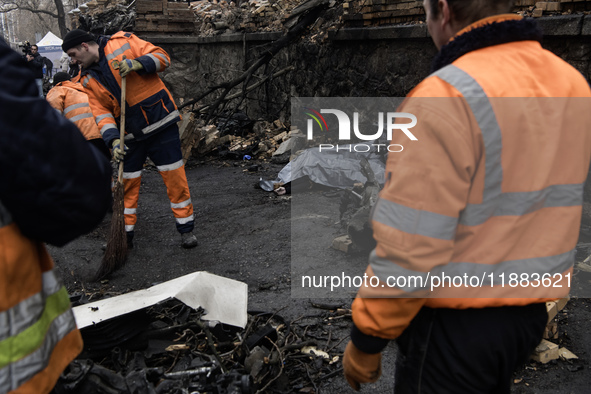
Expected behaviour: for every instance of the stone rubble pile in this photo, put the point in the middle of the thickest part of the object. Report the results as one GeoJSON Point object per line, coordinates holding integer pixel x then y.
{"type": "Point", "coordinates": [263, 141]}
{"type": "Point", "coordinates": [215, 16]}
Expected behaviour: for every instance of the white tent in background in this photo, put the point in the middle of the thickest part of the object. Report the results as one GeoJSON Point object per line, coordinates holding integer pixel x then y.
{"type": "Point", "coordinates": [50, 47]}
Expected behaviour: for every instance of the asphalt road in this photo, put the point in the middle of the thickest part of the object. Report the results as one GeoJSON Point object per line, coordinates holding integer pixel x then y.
{"type": "Point", "coordinates": [269, 242]}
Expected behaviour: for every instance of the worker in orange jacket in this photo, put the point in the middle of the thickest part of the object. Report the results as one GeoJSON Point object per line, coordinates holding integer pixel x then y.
{"type": "Point", "coordinates": [71, 100]}
{"type": "Point", "coordinates": [151, 117]}
{"type": "Point", "coordinates": [54, 187]}
{"type": "Point", "coordinates": [478, 220]}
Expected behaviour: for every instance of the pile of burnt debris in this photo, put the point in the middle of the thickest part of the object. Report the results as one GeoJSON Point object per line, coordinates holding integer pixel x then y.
{"type": "Point", "coordinates": [202, 17]}
{"type": "Point", "coordinates": [237, 137]}
{"type": "Point", "coordinates": [168, 348]}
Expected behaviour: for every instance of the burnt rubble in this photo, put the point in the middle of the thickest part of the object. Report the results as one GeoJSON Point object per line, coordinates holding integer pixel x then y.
{"type": "Point", "coordinates": [167, 348]}
{"type": "Point", "coordinates": [203, 18]}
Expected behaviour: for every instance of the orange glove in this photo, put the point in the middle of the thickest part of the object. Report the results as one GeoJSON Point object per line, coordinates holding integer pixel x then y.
{"type": "Point", "coordinates": [360, 367]}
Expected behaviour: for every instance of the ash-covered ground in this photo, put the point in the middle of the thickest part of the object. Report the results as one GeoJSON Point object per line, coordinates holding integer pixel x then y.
{"type": "Point", "coordinates": [246, 234]}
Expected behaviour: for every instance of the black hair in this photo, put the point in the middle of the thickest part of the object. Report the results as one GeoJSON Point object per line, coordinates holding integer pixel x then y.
{"type": "Point", "coordinates": [466, 12]}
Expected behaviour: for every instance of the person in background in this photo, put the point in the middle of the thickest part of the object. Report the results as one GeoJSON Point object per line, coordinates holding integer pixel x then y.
{"type": "Point", "coordinates": [64, 62]}
{"type": "Point", "coordinates": [54, 187]}
{"type": "Point", "coordinates": [70, 100]}
{"type": "Point", "coordinates": [492, 189]}
{"type": "Point", "coordinates": [74, 70]}
{"type": "Point", "coordinates": [151, 117]}
{"type": "Point", "coordinates": [35, 63]}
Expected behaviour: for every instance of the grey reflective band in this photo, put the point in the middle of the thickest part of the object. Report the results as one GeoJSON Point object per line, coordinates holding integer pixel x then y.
{"type": "Point", "coordinates": [130, 211]}
{"type": "Point", "coordinates": [86, 80]}
{"type": "Point", "coordinates": [19, 372]}
{"type": "Point", "coordinates": [155, 60]}
{"type": "Point", "coordinates": [80, 117]}
{"type": "Point", "coordinates": [491, 135]}
{"type": "Point", "coordinates": [183, 204]}
{"type": "Point", "coordinates": [414, 221]}
{"type": "Point", "coordinates": [119, 51]}
{"type": "Point", "coordinates": [26, 312]}
{"type": "Point", "coordinates": [128, 137]}
{"type": "Point", "coordinates": [5, 216]}
{"type": "Point", "coordinates": [167, 119]}
{"type": "Point", "coordinates": [540, 265]}
{"type": "Point", "coordinates": [132, 175]}
{"type": "Point", "coordinates": [166, 62]}
{"type": "Point", "coordinates": [103, 116]}
{"type": "Point", "coordinates": [107, 127]}
{"type": "Point", "coordinates": [129, 227]}
{"type": "Point", "coordinates": [172, 166]}
{"type": "Point", "coordinates": [184, 220]}
{"type": "Point", "coordinates": [22, 316]}
{"type": "Point", "coordinates": [384, 268]}
{"type": "Point", "coordinates": [75, 106]}
{"type": "Point", "coordinates": [522, 203]}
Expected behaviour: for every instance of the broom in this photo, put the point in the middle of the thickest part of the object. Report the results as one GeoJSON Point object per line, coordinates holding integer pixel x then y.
{"type": "Point", "coordinates": [116, 252]}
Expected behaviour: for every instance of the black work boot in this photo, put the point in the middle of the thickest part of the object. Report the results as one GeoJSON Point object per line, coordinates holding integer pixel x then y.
{"type": "Point", "coordinates": [188, 240]}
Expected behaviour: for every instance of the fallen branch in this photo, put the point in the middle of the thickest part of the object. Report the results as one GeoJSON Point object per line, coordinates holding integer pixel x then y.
{"type": "Point", "coordinates": [294, 33]}
{"type": "Point", "coordinates": [210, 343]}
{"type": "Point", "coordinates": [239, 94]}
{"type": "Point", "coordinates": [281, 362]}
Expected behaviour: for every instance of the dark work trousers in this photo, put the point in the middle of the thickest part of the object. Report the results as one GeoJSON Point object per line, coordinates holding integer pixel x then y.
{"type": "Point", "coordinates": [164, 149]}
{"type": "Point", "coordinates": [467, 350]}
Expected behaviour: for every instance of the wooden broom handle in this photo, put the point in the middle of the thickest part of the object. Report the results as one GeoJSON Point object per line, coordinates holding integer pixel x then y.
{"type": "Point", "coordinates": [122, 124]}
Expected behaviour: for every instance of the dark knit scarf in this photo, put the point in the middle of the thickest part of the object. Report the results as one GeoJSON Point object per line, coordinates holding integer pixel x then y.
{"type": "Point", "coordinates": [495, 33]}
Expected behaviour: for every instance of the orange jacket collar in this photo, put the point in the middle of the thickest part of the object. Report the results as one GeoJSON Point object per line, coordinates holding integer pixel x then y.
{"type": "Point", "coordinates": [487, 21]}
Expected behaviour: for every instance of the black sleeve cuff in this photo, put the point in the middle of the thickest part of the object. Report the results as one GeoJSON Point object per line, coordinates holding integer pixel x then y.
{"type": "Point", "coordinates": [367, 343]}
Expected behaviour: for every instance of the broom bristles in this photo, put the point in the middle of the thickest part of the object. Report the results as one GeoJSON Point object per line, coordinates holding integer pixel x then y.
{"type": "Point", "coordinates": [116, 252]}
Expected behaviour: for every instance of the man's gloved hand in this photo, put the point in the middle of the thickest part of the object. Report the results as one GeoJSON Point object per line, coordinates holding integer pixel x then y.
{"type": "Point", "coordinates": [360, 367]}
{"type": "Point", "coordinates": [126, 66]}
{"type": "Point", "coordinates": [118, 150]}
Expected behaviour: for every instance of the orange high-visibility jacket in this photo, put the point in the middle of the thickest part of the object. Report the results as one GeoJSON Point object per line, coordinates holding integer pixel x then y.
{"type": "Point", "coordinates": [70, 100]}
{"type": "Point", "coordinates": [38, 334]}
{"type": "Point", "coordinates": [492, 187]}
{"type": "Point", "coordinates": [150, 107]}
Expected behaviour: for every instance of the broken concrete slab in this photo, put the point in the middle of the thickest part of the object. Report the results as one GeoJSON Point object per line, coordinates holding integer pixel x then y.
{"type": "Point", "coordinates": [293, 144]}
{"type": "Point", "coordinates": [566, 354]}
{"type": "Point", "coordinates": [546, 351]}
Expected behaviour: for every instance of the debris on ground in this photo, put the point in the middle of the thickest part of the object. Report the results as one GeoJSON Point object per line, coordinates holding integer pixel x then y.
{"type": "Point", "coordinates": [236, 136]}
{"type": "Point", "coordinates": [225, 300]}
{"type": "Point", "coordinates": [203, 18]}
{"type": "Point", "coordinates": [169, 348]}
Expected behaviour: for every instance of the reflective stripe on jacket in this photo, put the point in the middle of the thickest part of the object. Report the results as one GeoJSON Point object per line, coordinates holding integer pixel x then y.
{"type": "Point", "coordinates": [150, 105]}
{"type": "Point", "coordinates": [70, 100]}
{"type": "Point", "coordinates": [38, 334]}
{"type": "Point", "coordinates": [493, 186]}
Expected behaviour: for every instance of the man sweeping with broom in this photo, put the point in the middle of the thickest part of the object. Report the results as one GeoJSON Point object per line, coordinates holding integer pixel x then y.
{"type": "Point", "coordinates": [151, 117]}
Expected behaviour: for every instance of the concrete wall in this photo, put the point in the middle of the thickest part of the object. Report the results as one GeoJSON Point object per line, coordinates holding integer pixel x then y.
{"type": "Point", "coordinates": [385, 61]}
{"type": "Point", "coordinates": [370, 62]}
{"type": "Point", "coordinates": [355, 62]}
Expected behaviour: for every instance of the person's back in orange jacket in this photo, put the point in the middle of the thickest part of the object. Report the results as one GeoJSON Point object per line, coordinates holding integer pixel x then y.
{"type": "Point", "coordinates": [71, 100]}
{"type": "Point", "coordinates": [490, 194]}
